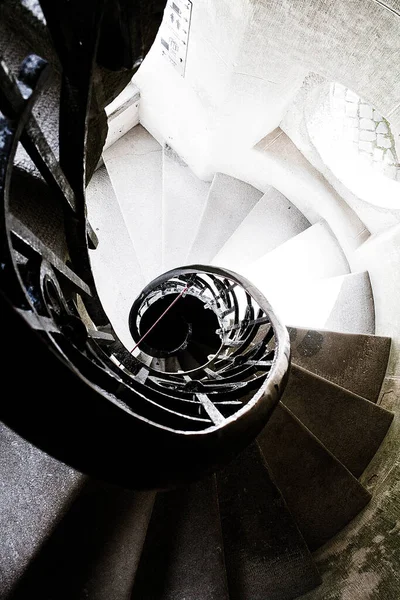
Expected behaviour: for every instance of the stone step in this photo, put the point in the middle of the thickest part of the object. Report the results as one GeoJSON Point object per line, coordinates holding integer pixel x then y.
{"type": "Point", "coordinates": [290, 171]}
{"type": "Point", "coordinates": [183, 553]}
{"type": "Point", "coordinates": [95, 550]}
{"type": "Point", "coordinates": [134, 164]}
{"type": "Point", "coordinates": [271, 222]}
{"type": "Point", "coordinates": [116, 285]}
{"type": "Point", "coordinates": [312, 305]}
{"type": "Point", "coordinates": [36, 492]}
{"type": "Point", "coordinates": [184, 198]}
{"type": "Point", "coordinates": [312, 255]}
{"type": "Point", "coordinates": [122, 114]}
{"type": "Point", "coordinates": [322, 495]}
{"type": "Point", "coordinates": [172, 364]}
{"type": "Point", "coordinates": [354, 309]}
{"type": "Point", "coordinates": [229, 201]}
{"type": "Point", "coordinates": [356, 362]}
{"type": "Point", "coordinates": [349, 426]}
{"type": "Point", "coordinates": [266, 556]}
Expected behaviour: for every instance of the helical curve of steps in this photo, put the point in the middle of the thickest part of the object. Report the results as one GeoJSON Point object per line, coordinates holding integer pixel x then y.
{"type": "Point", "coordinates": [248, 531]}
{"type": "Point", "coordinates": [243, 349]}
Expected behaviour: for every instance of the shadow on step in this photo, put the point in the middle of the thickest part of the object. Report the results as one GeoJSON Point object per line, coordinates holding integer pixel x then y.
{"type": "Point", "coordinates": [94, 550]}
{"type": "Point", "coordinates": [183, 555]}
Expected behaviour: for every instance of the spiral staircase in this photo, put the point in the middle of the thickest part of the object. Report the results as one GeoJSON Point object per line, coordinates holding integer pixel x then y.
{"type": "Point", "coordinates": [222, 398]}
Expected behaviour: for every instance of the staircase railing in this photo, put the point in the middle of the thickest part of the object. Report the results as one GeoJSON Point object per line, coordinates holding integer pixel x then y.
{"type": "Point", "coordinates": [72, 388]}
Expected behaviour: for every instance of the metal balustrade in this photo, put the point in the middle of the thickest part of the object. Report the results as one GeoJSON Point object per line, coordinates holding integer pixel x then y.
{"type": "Point", "coordinates": [151, 418]}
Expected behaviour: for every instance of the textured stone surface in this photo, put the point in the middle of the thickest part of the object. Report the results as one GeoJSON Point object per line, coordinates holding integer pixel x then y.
{"type": "Point", "coordinates": [183, 200]}
{"type": "Point", "coordinates": [265, 554]}
{"type": "Point", "coordinates": [229, 201]}
{"type": "Point", "coordinates": [116, 269]}
{"type": "Point", "coordinates": [15, 45]}
{"type": "Point", "coordinates": [272, 221]}
{"type": "Point", "coordinates": [308, 104]}
{"type": "Point", "coordinates": [36, 491]}
{"type": "Point", "coordinates": [288, 271]}
{"type": "Point", "coordinates": [362, 561]}
{"type": "Point", "coordinates": [311, 255]}
{"type": "Point", "coordinates": [367, 128]}
{"type": "Point", "coordinates": [354, 362]}
{"type": "Point", "coordinates": [134, 165]}
{"type": "Point", "coordinates": [354, 309]}
{"type": "Point", "coordinates": [32, 202]}
{"type": "Point", "coordinates": [279, 162]}
{"type": "Point", "coordinates": [23, 31]}
{"type": "Point", "coordinates": [381, 256]}
{"type": "Point", "coordinates": [183, 555]}
{"type": "Point", "coordinates": [375, 559]}
{"type": "Point", "coordinates": [122, 114]}
{"type": "Point", "coordinates": [322, 495]}
{"type": "Point", "coordinates": [349, 426]}
{"type": "Point", "coordinates": [94, 551]}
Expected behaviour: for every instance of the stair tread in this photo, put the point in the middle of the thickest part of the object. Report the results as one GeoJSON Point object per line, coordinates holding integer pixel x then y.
{"type": "Point", "coordinates": [114, 251]}
{"type": "Point", "coordinates": [134, 164]}
{"type": "Point", "coordinates": [322, 495]}
{"type": "Point", "coordinates": [229, 201]}
{"type": "Point", "coordinates": [93, 549]}
{"type": "Point", "coordinates": [312, 305]}
{"type": "Point", "coordinates": [354, 309]}
{"type": "Point", "coordinates": [37, 491]}
{"type": "Point", "coordinates": [349, 426]}
{"type": "Point", "coordinates": [184, 199]}
{"type": "Point", "coordinates": [266, 556]}
{"type": "Point", "coordinates": [356, 362]}
{"type": "Point", "coordinates": [271, 222]}
{"type": "Point", "coordinates": [311, 255]}
{"type": "Point", "coordinates": [183, 551]}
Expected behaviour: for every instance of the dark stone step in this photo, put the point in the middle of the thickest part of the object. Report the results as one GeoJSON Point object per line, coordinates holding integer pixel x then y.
{"type": "Point", "coordinates": [36, 492]}
{"type": "Point", "coordinates": [356, 362]}
{"type": "Point", "coordinates": [266, 556]}
{"type": "Point", "coordinates": [322, 495]}
{"type": "Point", "coordinates": [349, 426]}
{"type": "Point", "coordinates": [94, 550]}
{"type": "Point", "coordinates": [188, 361]}
{"type": "Point", "coordinates": [183, 557]}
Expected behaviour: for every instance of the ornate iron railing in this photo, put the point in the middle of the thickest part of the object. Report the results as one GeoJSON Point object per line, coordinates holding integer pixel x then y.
{"type": "Point", "coordinates": [178, 405]}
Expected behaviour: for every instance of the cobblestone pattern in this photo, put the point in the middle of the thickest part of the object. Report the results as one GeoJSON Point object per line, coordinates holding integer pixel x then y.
{"type": "Point", "coordinates": [367, 130]}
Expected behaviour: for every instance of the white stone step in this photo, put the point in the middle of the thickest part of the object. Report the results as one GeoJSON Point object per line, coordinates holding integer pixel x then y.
{"type": "Point", "coordinates": [343, 304]}
{"type": "Point", "coordinates": [354, 309]}
{"type": "Point", "coordinates": [272, 221]}
{"type": "Point", "coordinates": [228, 203]}
{"type": "Point", "coordinates": [380, 255]}
{"type": "Point", "coordinates": [134, 164]}
{"type": "Point", "coordinates": [313, 254]}
{"type": "Point", "coordinates": [184, 199]}
{"type": "Point", "coordinates": [122, 114]}
{"type": "Point", "coordinates": [116, 269]}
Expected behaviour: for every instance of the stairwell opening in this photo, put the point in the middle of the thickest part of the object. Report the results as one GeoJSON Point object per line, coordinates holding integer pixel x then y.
{"type": "Point", "coordinates": [187, 322]}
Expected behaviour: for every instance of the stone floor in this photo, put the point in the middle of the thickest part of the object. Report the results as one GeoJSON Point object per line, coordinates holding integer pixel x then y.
{"type": "Point", "coordinates": [366, 129]}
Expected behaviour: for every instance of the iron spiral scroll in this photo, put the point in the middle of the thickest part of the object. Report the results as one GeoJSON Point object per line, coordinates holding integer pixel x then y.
{"type": "Point", "coordinates": [171, 410]}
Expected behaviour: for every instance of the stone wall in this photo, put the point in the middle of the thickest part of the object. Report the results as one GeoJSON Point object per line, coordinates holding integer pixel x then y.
{"type": "Point", "coordinates": [247, 59]}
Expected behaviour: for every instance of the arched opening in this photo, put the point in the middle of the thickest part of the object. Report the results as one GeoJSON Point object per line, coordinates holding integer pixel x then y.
{"type": "Point", "coordinates": [358, 144]}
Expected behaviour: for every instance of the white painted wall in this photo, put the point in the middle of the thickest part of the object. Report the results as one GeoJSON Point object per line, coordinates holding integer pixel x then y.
{"type": "Point", "coordinates": [246, 60]}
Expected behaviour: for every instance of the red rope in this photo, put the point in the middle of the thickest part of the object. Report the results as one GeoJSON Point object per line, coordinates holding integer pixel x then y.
{"type": "Point", "coordinates": [160, 317]}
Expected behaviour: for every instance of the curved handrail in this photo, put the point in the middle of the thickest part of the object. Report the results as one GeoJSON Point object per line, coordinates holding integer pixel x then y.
{"type": "Point", "coordinates": [84, 398]}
